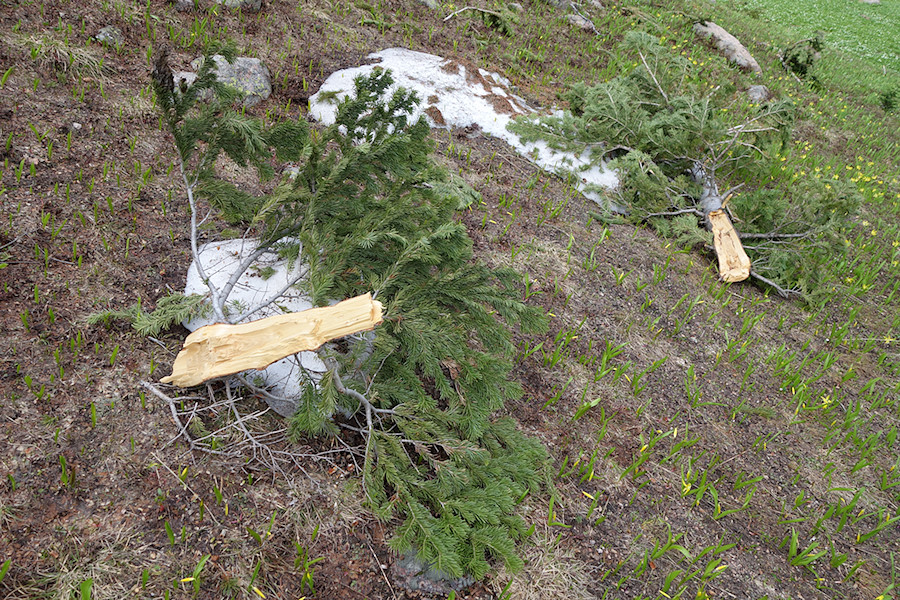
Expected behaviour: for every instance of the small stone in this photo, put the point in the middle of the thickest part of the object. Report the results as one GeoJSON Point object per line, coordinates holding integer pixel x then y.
{"type": "Point", "coordinates": [183, 79]}
{"type": "Point", "coordinates": [598, 5]}
{"type": "Point", "coordinates": [580, 22]}
{"type": "Point", "coordinates": [243, 5]}
{"type": "Point", "coordinates": [76, 125]}
{"type": "Point", "coordinates": [561, 4]}
{"type": "Point", "coordinates": [758, 93]}
{"type": "Point", "coordinates": [247, 75]}
{"type": "Point", "coordinates": [418, 576]}
{"type": "Point", "coordinates": [516, 7]}
{"type": "Point", "coordinates": [432, 4]}
{"type": "Point", "coordinates": [870, 1]}
{"type": "Point", "coordinates": [110, 35]}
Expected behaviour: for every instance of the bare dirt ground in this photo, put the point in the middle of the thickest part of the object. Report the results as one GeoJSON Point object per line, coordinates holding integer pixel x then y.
{"type": "Point", "coordinates": [97, 486]}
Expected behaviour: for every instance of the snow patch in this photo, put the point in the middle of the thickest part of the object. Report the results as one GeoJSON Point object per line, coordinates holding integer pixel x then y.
{"type": "Point", "coordinates": [267, 275]}
{"type": "Point", "coordinates": [462, 97]}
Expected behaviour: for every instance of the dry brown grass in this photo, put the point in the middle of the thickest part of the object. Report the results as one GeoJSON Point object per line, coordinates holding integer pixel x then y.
{"type": "Point", "coordinates": [49, 52]}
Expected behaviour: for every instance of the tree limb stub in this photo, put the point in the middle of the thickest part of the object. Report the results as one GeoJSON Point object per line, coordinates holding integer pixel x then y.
{"type": "Point", "coordinates": [223, 349]}
{"type": "Point", "coordinates": [734, 264]}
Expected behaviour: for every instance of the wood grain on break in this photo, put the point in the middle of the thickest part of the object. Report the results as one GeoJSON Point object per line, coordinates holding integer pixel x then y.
{"type": "Point", "coordinates": [734, 264]}
{"type": "Point", "coordinates": [222, 349]}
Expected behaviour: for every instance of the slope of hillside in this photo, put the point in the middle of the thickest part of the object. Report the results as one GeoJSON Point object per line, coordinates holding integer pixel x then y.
{"type": "Point", "coordinates": [708, 440]}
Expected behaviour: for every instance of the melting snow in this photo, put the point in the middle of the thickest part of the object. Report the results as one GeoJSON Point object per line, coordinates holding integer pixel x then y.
{"type": "Point", "coordinates": [454, 96]}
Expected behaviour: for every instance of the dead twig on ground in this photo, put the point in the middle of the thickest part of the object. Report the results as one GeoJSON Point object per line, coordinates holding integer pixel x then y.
{"type": "Point", "coordinates": [465, 8]}
{"type": "Point", "coordinates": [266, 448]}
{"type": "Point", "coordinates": [783, 292]}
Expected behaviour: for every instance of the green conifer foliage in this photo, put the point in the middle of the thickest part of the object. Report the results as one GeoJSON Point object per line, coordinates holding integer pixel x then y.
{"type": "Point", "coordinates": [673, 142]}
{"type": "Point", "coordinates": [373, 213]}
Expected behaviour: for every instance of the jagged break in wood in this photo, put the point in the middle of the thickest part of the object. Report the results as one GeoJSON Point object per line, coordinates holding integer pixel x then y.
{"type": "Point", "coordinates": [222, 349]}
{"type": "Point", "coordinates": [734, 264]}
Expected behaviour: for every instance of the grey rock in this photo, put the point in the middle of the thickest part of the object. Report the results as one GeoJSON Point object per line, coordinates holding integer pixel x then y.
{"type": "Point", "coordinates": [516, 7]}
{"type": "Point", "coordinates": [432, 4]}
{"type": "Point", "coordinates": [870, 1]}
{"type": "Point", "coordinates": [418, 576]}
{"type": "Point", "coordinates": [580, 22]}
{"type": "Point", "coordinates": [247, 75]}
{"type": "Point", "coordinates": [286, 407]}
{"type": "Point", "coordinates": [185, 5]}
{"type": "Point", "coordinates": [110, 35]}
{"type": "Point", "coordinates": [758, 93]}
{"type": "Point", "coordinates": [183, 79]}
{"type": "Point", "coordinates": [561, 4]}
{"type": "Point", "coordinates": [728, 45]}
{"type": "Point", "coordinates": [244, 5]}
{"type": "Point", "coordinates": [597, 4]}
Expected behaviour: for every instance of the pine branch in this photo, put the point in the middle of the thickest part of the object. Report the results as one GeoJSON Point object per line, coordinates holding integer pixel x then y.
{"type": "Point", "coordinates": [370, 210]}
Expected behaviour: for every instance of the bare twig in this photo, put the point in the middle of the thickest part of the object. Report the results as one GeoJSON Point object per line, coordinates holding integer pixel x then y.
{"type": "Point", "coordinates": [255, 444]}
{"type": "Point", "coordinates": [653, 75]}
{"type": "Point", "coordinates": [465, 8]}
{"type": "Point", "coordinates": [160, 344]}
{"type": "Point", "coordinates": [192, 202]}
{"type": "Point", "coordinates": [674, 213]}
{"type": "Point", "coordinates": [264, 445]}
{"type": "Point", "coordinates": [727, 194]}
{"type": "Point", "coordinates": [775, 236]}
{"type": "Point", "coordinates": [784, 293]}
{"type": "Point", "coordinates": [10, 243]}
{"type": "Point", "coordinates": [368, 434]}
{"type": "Point", "coordinates": [182, 427]}
{"type": "Point", "coordinates": [381, 567]}
{"type": "Point", "coordinates": [274, 297]}
{"type": "Point", "coordinates": [239, 270]}
{"type": "Point", "coordinates": [586, 19]}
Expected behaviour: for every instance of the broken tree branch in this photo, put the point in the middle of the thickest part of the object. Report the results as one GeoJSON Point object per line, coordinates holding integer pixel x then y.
{"type": "Point", "coordinates": [734, 264]}
{"type": "Point", "coordinates": [222, 349]}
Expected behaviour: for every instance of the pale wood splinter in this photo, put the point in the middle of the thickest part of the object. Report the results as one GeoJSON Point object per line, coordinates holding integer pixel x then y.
{"type": "Point", "coordinates": [223, 349]}
{"type": "Point", "coordinates": [734, 264]}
